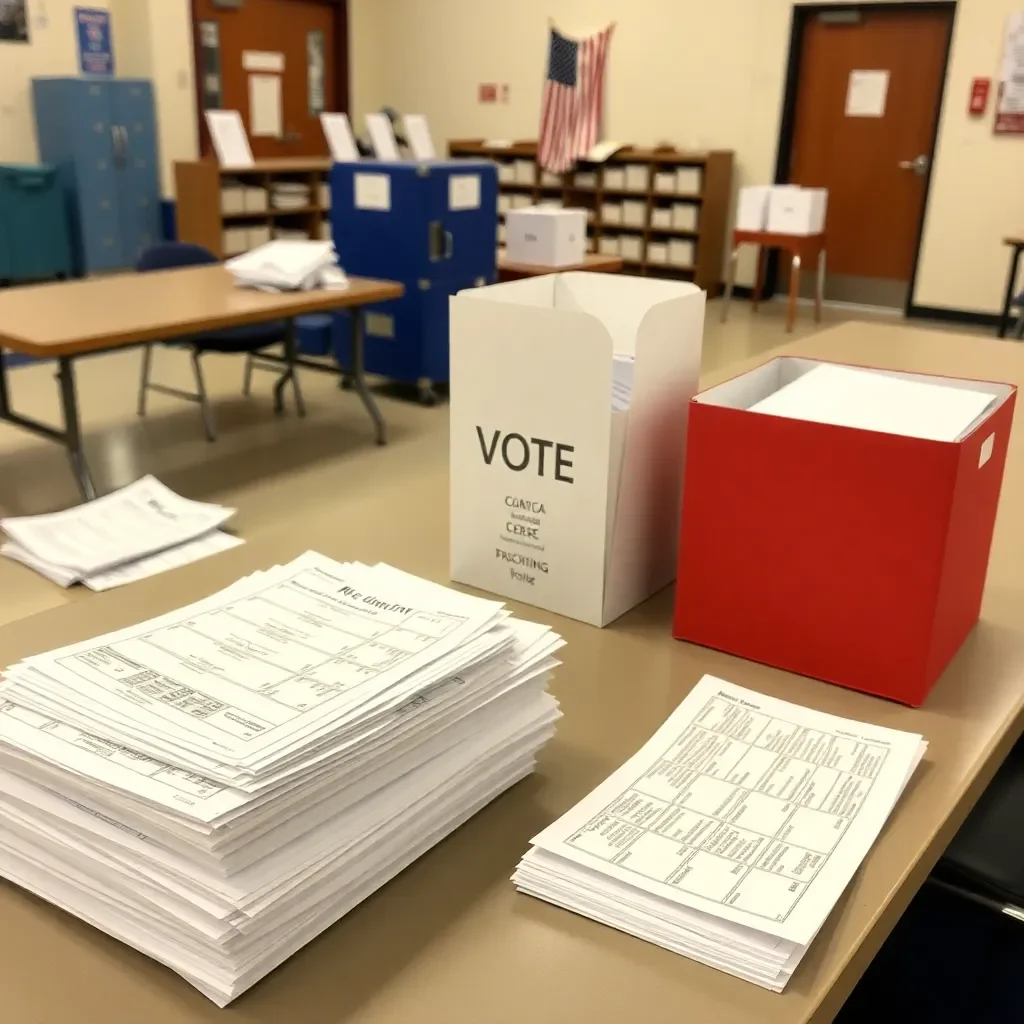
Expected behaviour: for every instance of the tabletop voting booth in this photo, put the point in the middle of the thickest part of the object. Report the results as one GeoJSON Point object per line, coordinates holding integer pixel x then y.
{"type": "Point", "coordinates": [569, 397]}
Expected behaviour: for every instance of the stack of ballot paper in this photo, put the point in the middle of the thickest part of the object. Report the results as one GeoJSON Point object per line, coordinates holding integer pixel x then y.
{"type": "Point", "coordinates": [218, 785]}
{"type": "Point", "coordinates": [288, 265]}
{"type": "Point", "coordinates": [731, 834]}
{"type": "Point", "coordinates": [139, 531]}
{"type": "Point", "coordinates": [289, 195]}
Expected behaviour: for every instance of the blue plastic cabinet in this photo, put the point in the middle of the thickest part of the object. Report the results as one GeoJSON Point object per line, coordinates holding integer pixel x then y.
{"type": "Point", "coordinates": [430, 226]}
{"type": "Point", "coordinates": [101, 136]}
{"type": "Point", "coordinates": [33, 224]}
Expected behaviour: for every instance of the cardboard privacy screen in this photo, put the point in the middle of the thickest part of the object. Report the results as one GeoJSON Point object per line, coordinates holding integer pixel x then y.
{"type": "Point", "coordinates": [569, 402]}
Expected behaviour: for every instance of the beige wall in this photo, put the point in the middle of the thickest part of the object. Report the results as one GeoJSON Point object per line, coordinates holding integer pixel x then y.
{"type": "Point", "coordinates": [701, 74]}
{"type": "Point", "coordinates": [52, 50]}
{"type": "Point", "coordinates": [152, 39]}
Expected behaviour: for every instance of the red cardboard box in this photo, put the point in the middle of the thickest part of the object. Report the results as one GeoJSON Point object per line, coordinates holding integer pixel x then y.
{"type": "Point", "coordinates": [849, 555]}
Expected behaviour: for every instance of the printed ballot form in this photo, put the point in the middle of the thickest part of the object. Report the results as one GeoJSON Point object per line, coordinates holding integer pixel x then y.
{"type": "Point", "coordinates": [139, 520]}
{"type": "Point", "coordinates": [218, 785]}
{"type": "Point", "coordinates": [734, 830]}
{"type": "Point", "coordinates": [566, 467]}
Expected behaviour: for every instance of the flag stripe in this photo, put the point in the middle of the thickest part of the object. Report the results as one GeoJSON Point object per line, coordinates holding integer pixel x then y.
{"type": "Point", "coordinates": [572, 104]}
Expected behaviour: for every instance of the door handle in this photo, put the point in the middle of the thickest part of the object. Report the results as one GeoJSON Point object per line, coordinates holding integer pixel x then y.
{"type": "Point", "coordinates": [919, 165]}
{"type": "Point", "coordinates": [115, 137]}
{"type": "Point", "coordinates": [449, 245]}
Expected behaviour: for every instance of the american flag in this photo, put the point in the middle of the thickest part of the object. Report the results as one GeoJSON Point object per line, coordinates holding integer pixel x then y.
{"type": "Point", "coordinates": [570, 120]}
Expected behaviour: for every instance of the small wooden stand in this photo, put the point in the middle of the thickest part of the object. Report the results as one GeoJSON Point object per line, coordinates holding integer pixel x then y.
{"type": "Point", "coordinates": [800, 247]}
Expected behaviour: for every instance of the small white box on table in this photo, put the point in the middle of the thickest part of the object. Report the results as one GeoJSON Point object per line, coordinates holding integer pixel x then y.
{"type": "Point", "coordinates": [793, 210]}
{"type": "Point", "coordinates": [547, 236]}
{"type": "Point", "coordinates": [752, 208]}
{"type": "Point", "coordinates": [571, 506]}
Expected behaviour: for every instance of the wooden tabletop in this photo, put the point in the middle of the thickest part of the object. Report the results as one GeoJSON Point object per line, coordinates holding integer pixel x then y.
{"type": "Point", "coordinates": [74, 317]}
{"type": "Point", "coordinates": [450, 941]}
{"type": "Point", "coordinates": [778, 240]}
{"type": "Point", "coordinates": [592, 261]}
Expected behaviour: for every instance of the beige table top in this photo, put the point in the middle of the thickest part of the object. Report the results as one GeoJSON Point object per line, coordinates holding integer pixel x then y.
{"type": "Point", "coordinates": [75, 317]}
{"type": "Point", "coordinates": [592, 261]}
{"type": "Point", "coordinates": [450, 941]}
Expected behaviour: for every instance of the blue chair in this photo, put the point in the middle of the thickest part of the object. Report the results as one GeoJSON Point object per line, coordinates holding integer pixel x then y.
{"type": "Point", "coordinates": [247, 339]}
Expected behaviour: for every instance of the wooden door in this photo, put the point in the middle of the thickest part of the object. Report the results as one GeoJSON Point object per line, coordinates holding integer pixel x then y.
{"type": "Point", "coordinates": [868, 93]}
{"type": "Point", "coordinates": [281, 29]}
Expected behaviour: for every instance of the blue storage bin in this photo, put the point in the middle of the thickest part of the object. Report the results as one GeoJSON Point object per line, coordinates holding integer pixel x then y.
{"type": "Point", "coordinates": [33, 224]}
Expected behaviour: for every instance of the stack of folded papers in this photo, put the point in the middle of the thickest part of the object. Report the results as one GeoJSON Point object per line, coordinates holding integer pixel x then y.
{"type": "Point", "coordinates": [289, 195]}
{"type": "Point", "coordinates": [732, 833]}
{"type": "Point", "coordinates": [289, 265]}
{"type": "Point", "coordinates": [217, 786]}
{"type": "Point", "coordinates": [139, 531]}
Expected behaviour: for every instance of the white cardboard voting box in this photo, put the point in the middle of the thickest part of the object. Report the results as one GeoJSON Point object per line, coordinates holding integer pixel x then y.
{"type": "Point", "coordinates": [558, 500]}
{"type": "Point", "coordinates": [752, 208]}
{"type": "Point", "coordinates": [793, 210]}
{"type": "Point", "coordinates": [547, 236]}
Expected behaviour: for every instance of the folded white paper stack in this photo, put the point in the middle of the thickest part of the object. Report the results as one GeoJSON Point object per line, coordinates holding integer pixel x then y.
{"type": "Point", "coordinates": [217, 786]}
{"type": "Point", "coordinates": [289, 195]}
{"type": "Point", "coordinates": [731, 834]}
{"type": "Point", "coordinates": [288, 265]}
{"type": "Point", "coordinates": [139, 531]}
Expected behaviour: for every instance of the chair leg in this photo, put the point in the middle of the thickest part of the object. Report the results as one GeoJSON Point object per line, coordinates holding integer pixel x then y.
{"type": "Point", "coordinates": [292, 350]}
{"type": "Point", "coordinates": [147, 359]}
{"type": "Point", "coordinates": [819, 288]}
{"type": "Point", "coordinates": [247, 379]}
{"type": "Point", "coordinates": [204, 403]}
{"type": "Point", "coordinates": [1020, 325]}
{"type": "Point", "coordinates": [762, 258]}
{"type": "Point", "coordinates": [730, 282]}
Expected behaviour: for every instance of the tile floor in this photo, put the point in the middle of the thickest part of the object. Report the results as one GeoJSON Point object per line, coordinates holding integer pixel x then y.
{"type": "Point", "coordinates": [271, 468]}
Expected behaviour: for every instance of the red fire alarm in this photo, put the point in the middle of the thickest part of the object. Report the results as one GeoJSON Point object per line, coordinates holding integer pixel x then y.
{"type": "Point", "coordinates": [979, 96]}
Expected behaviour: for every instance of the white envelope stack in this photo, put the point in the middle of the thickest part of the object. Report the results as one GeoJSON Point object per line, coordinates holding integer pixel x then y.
{"type": "Point", "coordinates": [217, 786]}
{"type": "Point", "coordinates": [139, 531]}
{"type": "Point", "coordinates": [730, 836]}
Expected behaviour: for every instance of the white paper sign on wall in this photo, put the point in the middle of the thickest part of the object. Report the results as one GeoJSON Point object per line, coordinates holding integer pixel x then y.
{"type": "Point", "coordinates": [866, 93]}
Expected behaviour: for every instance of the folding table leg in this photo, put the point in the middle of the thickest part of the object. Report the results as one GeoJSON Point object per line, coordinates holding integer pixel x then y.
{"type": "Point", "coordinates": [762, 256]}
{"type": "Point", "coordinates": [794, 290]}
{"type": "Point", "coordinates": [730, 282]}
{"type": "Point", "coordinates": [72, 431]}
{"type": "Point", "coordinates": [357, 375]}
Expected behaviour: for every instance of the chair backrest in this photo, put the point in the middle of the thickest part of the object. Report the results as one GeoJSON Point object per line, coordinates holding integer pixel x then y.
{"type": "Point", "coordinates": [167, 255]}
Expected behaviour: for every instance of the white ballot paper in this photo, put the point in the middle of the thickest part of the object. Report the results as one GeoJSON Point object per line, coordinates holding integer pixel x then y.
{"type": "Point", "coordinates": [139, 520]}
{"type": "Point", "coordinates": [208, 544]}
{"type": "Point", "coordinates": [217, 786]}
{"type": "Point", "coordinates": [338, 132]}
{"type": "Point", "coordinates": [229, 139]}
{"type": "Point", "coordinates": [731, 834]}
{"type": "Point", "coordinates": [848, 396]}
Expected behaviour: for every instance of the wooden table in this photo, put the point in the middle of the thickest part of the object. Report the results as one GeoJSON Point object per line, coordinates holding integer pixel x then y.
{"type": "Point", "coordinates": [593, 262]}
{"type": "Point", "coordinates": [1016, 244]}
{"type": "Point", "coordinates": [450, 941]}
{"type": "Point", "coordinates": [75, 318]}
{"type": "Point", "coordinates": [800, 247]}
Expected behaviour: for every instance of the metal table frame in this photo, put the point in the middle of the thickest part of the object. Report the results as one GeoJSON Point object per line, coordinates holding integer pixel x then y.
{"type": "Point", "coordinates": [71, 435]}
{"type": "Point", "coordinates": [1017, 244]}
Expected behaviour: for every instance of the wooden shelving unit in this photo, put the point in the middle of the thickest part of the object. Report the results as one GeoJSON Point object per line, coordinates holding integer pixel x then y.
{"type": "Point", "coordinates": [706, 206]}
{"type": "Point", "coordinates": [201, 218]}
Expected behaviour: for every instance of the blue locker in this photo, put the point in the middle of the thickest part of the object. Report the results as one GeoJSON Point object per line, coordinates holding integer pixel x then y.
{"type": "Point", "coordinates": [101, 135]}
{"type": "Point", "coordinates": [430, 226]}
